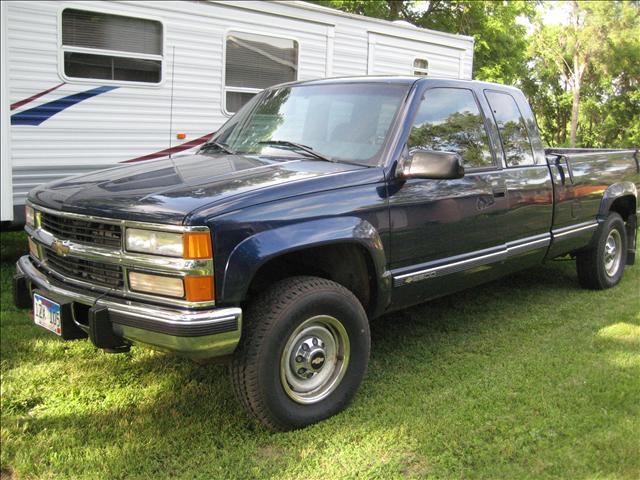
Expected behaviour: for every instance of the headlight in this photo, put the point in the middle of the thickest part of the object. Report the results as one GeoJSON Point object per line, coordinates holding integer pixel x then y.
{"type": "Point", "coordinates": [30, 216]}
{"type": "Point", "coordinates": [156, 284]}
{"type": "Point", "coordinates": [158, 243]}
{"type": "Point", "coordinates": [190, 245]}
{"type": "Point", "coordinates": [193, 289]}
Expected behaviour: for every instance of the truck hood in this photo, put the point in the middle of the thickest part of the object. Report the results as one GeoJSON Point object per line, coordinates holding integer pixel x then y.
{"type": "Point", "coordinates": [166, 191]}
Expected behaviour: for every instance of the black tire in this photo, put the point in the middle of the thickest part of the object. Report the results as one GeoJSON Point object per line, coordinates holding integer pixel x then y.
{"type": "Point", "coordinates": [271, 322]}
{"type": "Point", "coordinates": [591, 263]}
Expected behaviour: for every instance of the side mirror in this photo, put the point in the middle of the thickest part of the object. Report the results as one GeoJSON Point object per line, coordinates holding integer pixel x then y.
{"type": "Point", "coordinates": [431, 164]}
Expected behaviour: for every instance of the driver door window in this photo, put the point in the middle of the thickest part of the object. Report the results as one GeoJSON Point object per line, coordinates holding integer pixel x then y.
{"type": "Point", "coordinates": [449, 120]}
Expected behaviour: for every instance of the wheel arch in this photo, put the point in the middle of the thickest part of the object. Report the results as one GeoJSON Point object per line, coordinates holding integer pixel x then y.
{"type": "Point", "coordinates": [319, 247]}
{"type": "Point", "coordinates": [619, 197]}
{"type": "Point", "coordinates": [622, 198]}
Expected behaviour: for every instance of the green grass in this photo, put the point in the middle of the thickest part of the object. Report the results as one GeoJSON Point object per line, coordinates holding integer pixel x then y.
{"type": "Point", "coordinates": [527, 377]}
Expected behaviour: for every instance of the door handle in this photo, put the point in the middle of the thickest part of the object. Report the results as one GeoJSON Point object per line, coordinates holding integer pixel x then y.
{"type": "Point", "coordinates": [562, 163]}
{"type": "Point", "coordinates": [499, 192]}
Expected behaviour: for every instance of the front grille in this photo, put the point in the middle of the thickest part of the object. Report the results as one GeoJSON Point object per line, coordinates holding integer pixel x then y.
{"type": "Point", "coordinates": [83, 231]}
{"type": "Point", "coordinates": [103, 274]}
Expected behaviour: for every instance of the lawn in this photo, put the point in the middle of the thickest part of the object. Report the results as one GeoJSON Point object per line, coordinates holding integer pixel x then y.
{"type": "Point", "coordinates": [527, 377]}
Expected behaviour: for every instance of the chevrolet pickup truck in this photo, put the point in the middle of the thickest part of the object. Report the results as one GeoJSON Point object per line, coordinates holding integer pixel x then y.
{"type": "Point", "coordinates": [320, 205]}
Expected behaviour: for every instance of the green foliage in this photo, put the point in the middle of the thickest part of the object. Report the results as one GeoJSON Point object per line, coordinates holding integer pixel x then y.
{"type": "Point", "coordinates": [606, 42]}
{"type": "Point", "coordinates": [500, 39]}
{"type": "Point", "coordinates": [602, 56]}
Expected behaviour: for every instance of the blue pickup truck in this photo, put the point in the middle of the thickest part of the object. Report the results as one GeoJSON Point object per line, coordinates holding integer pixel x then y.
{"type": "Point", "coordinates": [318, 206]}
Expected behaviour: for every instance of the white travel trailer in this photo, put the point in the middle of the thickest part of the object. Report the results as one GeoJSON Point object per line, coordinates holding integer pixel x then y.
{"type": "Point", "coordinates": [90, 84]}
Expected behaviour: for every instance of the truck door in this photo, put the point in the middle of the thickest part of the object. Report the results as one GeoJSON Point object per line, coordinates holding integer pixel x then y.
{"type": "Point", "coordinates": [447, 234]}
{"type": "Point", "coordinates": [529, 215]}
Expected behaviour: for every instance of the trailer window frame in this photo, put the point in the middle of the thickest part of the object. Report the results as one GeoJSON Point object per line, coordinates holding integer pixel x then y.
{"type": "Point", "coordinates": [62, 49]}
{"type": "Point", "coordinates": [254, 91]}
{"type": "Point", "coordinates": [420, 71]}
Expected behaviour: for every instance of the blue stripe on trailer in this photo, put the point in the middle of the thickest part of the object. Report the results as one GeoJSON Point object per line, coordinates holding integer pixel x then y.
{"type": "Point", "coordinates": [37, 115]}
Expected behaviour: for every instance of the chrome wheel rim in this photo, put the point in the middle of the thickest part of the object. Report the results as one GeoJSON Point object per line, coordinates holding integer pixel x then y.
{"type": "Point", "coordinates": [314, 359]}
{"type": "Point", "coordinates": [612, 253]}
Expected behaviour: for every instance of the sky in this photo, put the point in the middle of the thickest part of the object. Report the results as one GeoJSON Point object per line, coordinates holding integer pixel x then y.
{"type": "Point", "coordinates": [557, 13]}
{"type": "Point", "coordinates": [553, 12]}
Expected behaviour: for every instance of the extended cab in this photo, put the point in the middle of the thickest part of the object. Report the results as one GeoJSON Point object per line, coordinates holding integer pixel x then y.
{"type": "Point", "coordinates": [318, 206]}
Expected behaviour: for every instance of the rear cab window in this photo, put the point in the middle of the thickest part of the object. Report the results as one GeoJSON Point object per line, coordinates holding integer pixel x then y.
{"type": "Point", "coordinates": [512, 128]}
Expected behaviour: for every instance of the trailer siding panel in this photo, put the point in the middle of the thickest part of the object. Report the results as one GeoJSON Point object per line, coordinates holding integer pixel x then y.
{"type": "Point", "coordinates": [132, 121]}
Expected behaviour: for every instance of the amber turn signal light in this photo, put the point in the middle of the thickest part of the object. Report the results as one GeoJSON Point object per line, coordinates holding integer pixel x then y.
{"type": "Point", "coordinates": [197, 245]}
{"type": "Point", "coordinates": [199, 289]}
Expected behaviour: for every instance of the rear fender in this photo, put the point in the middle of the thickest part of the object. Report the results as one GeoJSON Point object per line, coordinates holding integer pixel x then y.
{"type": "Point", "coordinates": [614, 192]}
{"type": "Point", "coordinates": [253, 252]}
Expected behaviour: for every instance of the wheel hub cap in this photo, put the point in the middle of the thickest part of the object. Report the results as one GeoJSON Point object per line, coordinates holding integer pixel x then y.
{"type": "Point", "coordinates": [309, 357]}
{"type": "Point", "coordinates": [314, 359]}
{"type": "Point", "coordinates": [612, 253]}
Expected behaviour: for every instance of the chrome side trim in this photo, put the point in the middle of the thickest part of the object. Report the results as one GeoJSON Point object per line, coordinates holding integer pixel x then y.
{"type": "Point", "coordinates": [448, 268]}
{"type": "Point", "coordinates": [573, 230]}
{"type": "Point", "coordinates": [475, 259]}
{"type": "Point", "coordinates": [528, 244]}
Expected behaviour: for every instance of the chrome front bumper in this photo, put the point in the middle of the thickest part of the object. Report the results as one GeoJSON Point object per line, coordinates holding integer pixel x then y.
{"type": "Point", "coordinates": [197, 334]}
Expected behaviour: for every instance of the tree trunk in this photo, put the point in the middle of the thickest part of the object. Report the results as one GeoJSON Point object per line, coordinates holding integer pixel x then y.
{"type": "Point", "coordinates": [575, 107]}
{"type": "Point", "coordinates": [577, 77]}
{"type": "Point", "coordinates": [394, 9]}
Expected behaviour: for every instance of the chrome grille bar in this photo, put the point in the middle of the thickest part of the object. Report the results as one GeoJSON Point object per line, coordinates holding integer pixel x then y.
{"type": "Point", "coordinates": [83, 231]}
{"type": "Point", "coordinates": [99, 273]}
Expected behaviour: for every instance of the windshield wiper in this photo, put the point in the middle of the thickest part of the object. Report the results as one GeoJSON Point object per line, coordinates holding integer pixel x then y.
{"type": "Point", "coordinates": [219, 146]}
{"type": "Point", "coordinates": [298, 146]}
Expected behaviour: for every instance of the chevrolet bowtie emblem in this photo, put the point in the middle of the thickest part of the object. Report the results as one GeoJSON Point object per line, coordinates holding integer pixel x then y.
{"type": "Point", "coordinates": [60, 248]}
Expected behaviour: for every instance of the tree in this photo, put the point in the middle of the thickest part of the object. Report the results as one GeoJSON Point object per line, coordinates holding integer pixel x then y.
{"type": "Point", "coordinates": [592, 58]}
{"type": "Point", "coordinates": [572, 48]}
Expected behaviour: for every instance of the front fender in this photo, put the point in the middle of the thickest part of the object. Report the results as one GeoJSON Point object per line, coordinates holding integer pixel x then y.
{"type": "Point", "coordinates": [253, 252]}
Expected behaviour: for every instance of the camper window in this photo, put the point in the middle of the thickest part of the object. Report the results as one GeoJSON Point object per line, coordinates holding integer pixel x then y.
{"type": "Point", "coordinates": [421, 67]}
{"type": "Point", "coordinates": [111, 47]}
{"type": "Point", "coordinates": [254, 62]}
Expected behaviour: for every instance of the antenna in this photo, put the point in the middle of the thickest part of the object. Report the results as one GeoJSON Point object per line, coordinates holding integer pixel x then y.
{"type": "Point", "coordinates": [173, 73]}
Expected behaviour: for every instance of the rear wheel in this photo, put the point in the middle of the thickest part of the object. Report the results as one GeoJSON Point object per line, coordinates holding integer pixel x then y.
{"type": "Point", "coordinates": [303, 354]}
{"type": "Point", "coordinates": [602, 265]}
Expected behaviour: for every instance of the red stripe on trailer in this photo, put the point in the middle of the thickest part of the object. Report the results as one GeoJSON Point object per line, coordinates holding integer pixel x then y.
{"type": "Point", "coordinates": [31, 99]}
{"type": "Point", "coordinates": [168, 151]}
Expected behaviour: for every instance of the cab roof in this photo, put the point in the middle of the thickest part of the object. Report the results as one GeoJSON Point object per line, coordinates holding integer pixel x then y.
{"type": "Point", "coordinates": [397, 80]}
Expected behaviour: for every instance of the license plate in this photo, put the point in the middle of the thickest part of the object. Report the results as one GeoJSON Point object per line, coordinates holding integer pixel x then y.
{"type": "Point", "coordinates": [47, 314]}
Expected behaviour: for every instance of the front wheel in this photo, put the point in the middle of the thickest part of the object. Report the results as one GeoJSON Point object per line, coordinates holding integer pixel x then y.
{"type": "Point", "coordinates": [602, 265]}
{"type": "Point", "coordinates": [303, 354]}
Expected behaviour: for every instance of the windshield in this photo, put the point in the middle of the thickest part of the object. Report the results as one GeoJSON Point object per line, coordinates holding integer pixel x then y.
{"type": "Point", "coordinates": [340, 122]}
